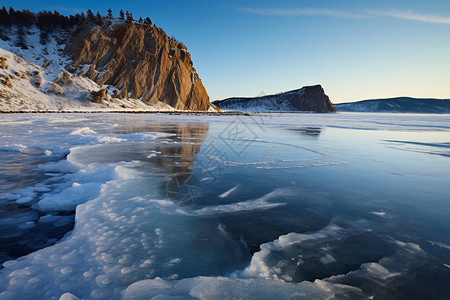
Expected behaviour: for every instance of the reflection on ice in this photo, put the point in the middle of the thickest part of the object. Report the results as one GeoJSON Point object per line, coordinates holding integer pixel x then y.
{"type": "Point", "coordinates": [429, 148]}
{"type": "Point", "coordinates": [309, 131]}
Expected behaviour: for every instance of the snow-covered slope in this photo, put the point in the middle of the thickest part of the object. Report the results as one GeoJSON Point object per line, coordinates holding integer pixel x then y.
{"type": "Point", "coordinates": [26, 85]}
{"type": "Point", "coordinates": [398, 105]}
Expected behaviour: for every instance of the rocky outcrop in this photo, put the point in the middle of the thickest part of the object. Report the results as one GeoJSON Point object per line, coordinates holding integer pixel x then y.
{"type": "Point", "coordinates": [62, 78]}
{"type": "Point", "coordinates": [36, 78]}
{"type": "Point", "coordinates": [98, 96]}
{"type": "Point", "coordinates": [308, 98]}
{"type": "Point", "coordinates": [5, 80]}
{"type": "Point", "coordinates": [46, 63]}
{"type": "Point", "coordinates": [56, 89]}
{"type": "Point", "coordinates": [3, 63]}
{"type": "Point", "coordinates": [139, 60]}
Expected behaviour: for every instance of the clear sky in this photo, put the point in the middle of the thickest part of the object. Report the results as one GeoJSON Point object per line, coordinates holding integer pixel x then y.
{"type": "Point", "coordinates": [356, 49]}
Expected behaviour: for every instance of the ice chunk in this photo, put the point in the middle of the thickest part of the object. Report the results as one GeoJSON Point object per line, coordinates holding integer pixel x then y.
{"type": "Point", "coordinates": [226, 288]}
{"type": "Point", "coordinates": [83, 131]}
{"type": "Point", "coordinates": [27, 225]}
{"type": "Point", "coordinates": [378, 271]}
{"type": "Point", "coordinates": [9, 263]}
{"type": "Point", "coordinates": [379, 213]}
{"type": "Point", "coordinates": [327, 259]}
{"type": "Point", "coordinates": [25, 195]}
{"type": "Point", "coordinates": [110, 139]}
{"type": "Point", "coordinates": [24, 200]}
{"type": "Point", "coordinates": [62, 166]}
{"type": "Point", "coordinates": [68, 296]}
{"type": "Point", "coordinates": [260, 269]}
{"type": "Point", "coordinates": [69, 198]}
{"type": "Point", "coordinates": [57, 221]}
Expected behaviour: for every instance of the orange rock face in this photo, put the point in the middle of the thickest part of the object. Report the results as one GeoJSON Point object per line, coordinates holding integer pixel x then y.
{"type": "Point", "coordinates": [139, 60]}
{"type": "Point", "coordinates": [3, 63]}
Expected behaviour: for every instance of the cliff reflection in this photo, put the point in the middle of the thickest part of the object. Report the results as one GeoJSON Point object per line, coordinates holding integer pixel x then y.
{"type": "Point", "coordinates": [309, 131]}
{"type": "Point", "coordinates": [179, 157]}
{"type": "Point", "coordinates": [174, 154]}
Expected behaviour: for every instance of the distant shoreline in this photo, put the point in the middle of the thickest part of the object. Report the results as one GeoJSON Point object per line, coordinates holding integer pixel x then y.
{"type": "Point", "coordinates": [205, 113]}
{"type": "Point", "coordinates": [233, 113]}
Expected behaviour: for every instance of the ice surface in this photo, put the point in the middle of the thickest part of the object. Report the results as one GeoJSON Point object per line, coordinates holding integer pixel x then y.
{"type": "Point", "coordinates": [362, 121]}
{"type": "Point", "coordinates": [359, 219]}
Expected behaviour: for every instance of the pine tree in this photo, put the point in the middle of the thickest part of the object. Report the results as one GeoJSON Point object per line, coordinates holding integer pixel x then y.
{"type": "Point", "coordinates": [5, 18]}
{"type": "Point", "coordinates": [121, 15]}
{"type": "Point", "coordinates": [110, 15]}
{"type": "Point", "coordinates": [140, 20]}
{"type": "Point", "coordinates": [73, 19]}
{"type": "Point", "coordinates": [129, 17]}
{"type": "Point", "coordinates": [21, 37]}
{"type": "Point", "coordinates": [90, 15]}
{"type": "Point", "coordinates": [43, 37]}
{"type": "Point", "coordinates": [99, 18]}
{"type": "Point", "coordinates": [5, 22]}
{"type": "Point", "coordinates": [12, 14]}
{"type": "Point", "coordinates": [148, 21]}
{"type": "Point", "coordinates": [27, 18]}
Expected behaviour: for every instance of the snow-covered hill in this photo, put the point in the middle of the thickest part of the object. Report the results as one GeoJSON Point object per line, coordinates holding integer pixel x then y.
{"type": "Point", "coordinates": [308, 98]}
{"type": "Point", "coordinates": [38, 88]}
{"type": "Point", "coordinates": [41, 78]}
{"type": "Point", "coordinates": [398, 105]}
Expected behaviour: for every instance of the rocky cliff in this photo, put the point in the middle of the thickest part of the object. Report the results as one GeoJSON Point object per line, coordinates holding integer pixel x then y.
{"type": "Point", "coordinates": [139, 61]}
{"type": "Point", "coordinates": [93, 65]}
{"type": "Point", "coordinates": [308, 98]}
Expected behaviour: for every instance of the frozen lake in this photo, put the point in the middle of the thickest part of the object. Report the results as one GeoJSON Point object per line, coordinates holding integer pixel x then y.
{"type": "Point", "coordinates": [270, 206]}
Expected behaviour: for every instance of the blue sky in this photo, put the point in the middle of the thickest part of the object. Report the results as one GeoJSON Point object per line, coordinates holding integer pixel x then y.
{"type": "Point", "coordinates": [356, 49]}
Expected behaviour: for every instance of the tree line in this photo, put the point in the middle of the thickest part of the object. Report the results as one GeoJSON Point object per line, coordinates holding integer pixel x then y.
{"type": "Point", "coordinates": [50, 21]}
